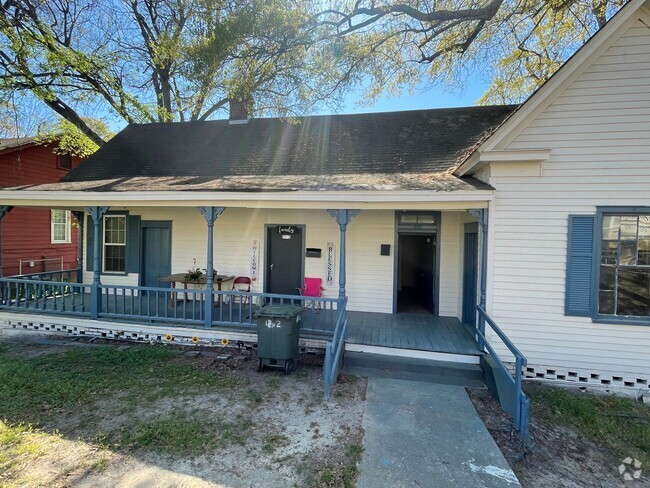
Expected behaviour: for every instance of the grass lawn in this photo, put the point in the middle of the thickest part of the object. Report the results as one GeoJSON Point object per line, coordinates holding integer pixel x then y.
{"type": "Point", "coordinates": [87, 414]}
{"type": "Point", "coordinates": [621, 424]}
{"type": "Point", "coordinates": [578, 438]}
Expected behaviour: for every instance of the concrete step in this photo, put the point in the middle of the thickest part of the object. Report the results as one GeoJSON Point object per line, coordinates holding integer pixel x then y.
{"type": "Point", "coordinates": [414, 369]}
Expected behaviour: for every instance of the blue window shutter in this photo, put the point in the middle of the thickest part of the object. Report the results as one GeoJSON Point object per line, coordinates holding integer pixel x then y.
{"type": "Point", "coordinates": [580, 260]}
{"type": "Point", "coordinates": [90, 248]}
{"type": "Point", "coordinates": [133, 244]}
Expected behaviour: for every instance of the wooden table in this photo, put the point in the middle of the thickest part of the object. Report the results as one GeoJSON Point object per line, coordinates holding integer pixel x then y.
{"type": "Point", "coordinates": [180, 278]}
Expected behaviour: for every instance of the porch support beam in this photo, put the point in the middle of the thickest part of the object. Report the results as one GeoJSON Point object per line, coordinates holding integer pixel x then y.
{"type": "Point", "coordinates": [211, 214]}
{"type": "Point", "coordinates": [80, 244]}
{"type": "Point", "coordinates": [482, 217]}
{"type": "Point", "coordinates": [4, 210]}
{"type": "Point", "coordinates": [96, 213]}
{"type": "Point", "coordinates": [343, 218]}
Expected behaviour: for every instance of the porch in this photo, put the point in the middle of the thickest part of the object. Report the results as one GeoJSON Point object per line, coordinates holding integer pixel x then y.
{"type": "Point", "coordinates": [236, 312]}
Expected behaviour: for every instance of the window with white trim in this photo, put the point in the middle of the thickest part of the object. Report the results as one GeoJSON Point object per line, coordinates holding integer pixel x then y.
{"type": "Point", "coordinates": [114, 244]}
{"type": "Point", "coordinates": [624, 274]}
{"type": "Point", "coordinates": [60, 226]}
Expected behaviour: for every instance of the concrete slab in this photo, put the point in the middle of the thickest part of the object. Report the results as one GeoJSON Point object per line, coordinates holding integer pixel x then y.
{"type": "Point", "coordinates": [427, 435]}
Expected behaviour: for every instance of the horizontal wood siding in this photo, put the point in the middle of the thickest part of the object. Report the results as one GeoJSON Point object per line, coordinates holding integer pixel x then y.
{"type": "Point", "coordinates": [26, 231]}
{"type": "Point", "coordinates": [599, 134]}
{"type": "Point", "coordinates": [369, 275]}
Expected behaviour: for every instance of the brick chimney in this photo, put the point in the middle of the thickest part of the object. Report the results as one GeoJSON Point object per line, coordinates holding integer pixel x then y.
{"type": "Point", "coordinates": [239, 110]}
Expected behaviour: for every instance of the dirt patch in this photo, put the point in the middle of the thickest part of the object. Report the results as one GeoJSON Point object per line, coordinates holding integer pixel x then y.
{"type": "Point", "coordinates": [559, 455]}
{"type": "Point", "coordinates": [223, 424]}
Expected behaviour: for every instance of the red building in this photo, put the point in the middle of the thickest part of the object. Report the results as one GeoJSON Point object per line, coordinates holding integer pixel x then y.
{"type": "Point", "coordinates": [35, 240]}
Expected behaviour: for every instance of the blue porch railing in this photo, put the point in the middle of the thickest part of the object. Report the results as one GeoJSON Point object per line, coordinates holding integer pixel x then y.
{"type": "Point", "coordinates": [146, 303]}
{"type": "Point", "coordinates": [324, 317]}
{"type": "Point", "coordinates": [67, 275]}
{"type": "Point", "coordinates": [514, 400]}
{"type": "Point", "coordinates": [335, 349]}
{"type": "Point", "coordinates": [157, 304]}
{"type": "Point", "coordinates": [60, 297]}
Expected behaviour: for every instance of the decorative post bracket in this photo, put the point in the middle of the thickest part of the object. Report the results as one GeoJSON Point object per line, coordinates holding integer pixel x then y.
{"type": "Point", "coordinates": [343, 218]}
{"type": "Point", "coordinates": [4, 210]}
{"type": "Point", "coordinates": [210, 214]}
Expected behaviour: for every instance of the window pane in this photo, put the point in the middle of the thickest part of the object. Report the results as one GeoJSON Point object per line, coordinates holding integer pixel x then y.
{"type": "Point", "coordinates": [114, 232]}
{"type": "Point", "coordinates": [611, 225]}
{"type": "Point", "coordinates": [426, 219]}
{"type": "Point", "coordinates": [633, 292]}
{"type": "Point", "coordinates": [628, 253]}
{"type": "Point", "coordinates": [408, 219]}
{"type": "Point", "coordinates": [607, 278]}
{"type": "Point", "coordinates": [629, 225]}
{"type": "Point", "coordinates": [114, 258]}
{"type": "Point", "coordinates": [609, 254]}
{"type": "Point", "coordinates": [59, 232]}
{"type": "Point", "coordinates": [59, 216]}
{"type": "Point", "coordinates": [644, 226]}
{"type": "Point", "coordinates": [606, 303]}
{"type": "Point", "coordinates": [644, 252]}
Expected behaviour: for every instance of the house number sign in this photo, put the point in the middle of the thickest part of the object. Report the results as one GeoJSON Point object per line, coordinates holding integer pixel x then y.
{"type": "Point", "coordinates": [330, 264]}
{"type": "Point", "coordinates": [255, 259]}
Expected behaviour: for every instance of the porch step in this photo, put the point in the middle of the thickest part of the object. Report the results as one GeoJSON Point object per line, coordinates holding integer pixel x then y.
{"type": "Point", "coordinates": [415, 369]}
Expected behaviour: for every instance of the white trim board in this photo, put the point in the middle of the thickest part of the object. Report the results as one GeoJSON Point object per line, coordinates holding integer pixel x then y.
{"type": "Point", "coordinates": [413, 353]}
{"type": "Point", "coordinates": [298, 199]}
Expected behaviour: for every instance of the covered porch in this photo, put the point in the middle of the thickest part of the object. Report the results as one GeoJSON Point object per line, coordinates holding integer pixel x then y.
{"type": "Point", "coordinates": [356, 253]}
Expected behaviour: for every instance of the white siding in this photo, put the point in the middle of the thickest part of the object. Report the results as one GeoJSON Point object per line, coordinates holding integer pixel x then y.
{"type": "Point", "coordinates": [599, 132]}
{"type": "Point", "coordinates": [369, 275]}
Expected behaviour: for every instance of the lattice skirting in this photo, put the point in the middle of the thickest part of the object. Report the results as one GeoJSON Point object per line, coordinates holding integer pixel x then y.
{"type": "Point", "coordinates": [131, 332]}
{"type": "Point", "coordinates": [636, 385]}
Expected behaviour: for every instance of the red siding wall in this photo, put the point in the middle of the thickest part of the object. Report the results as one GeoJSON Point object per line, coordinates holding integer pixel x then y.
{"type": "Point", "coordinates": [25, 232]}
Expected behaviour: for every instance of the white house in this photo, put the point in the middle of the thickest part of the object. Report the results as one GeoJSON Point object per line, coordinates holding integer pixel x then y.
{"type": "Point", "coordinates": [538, 214]}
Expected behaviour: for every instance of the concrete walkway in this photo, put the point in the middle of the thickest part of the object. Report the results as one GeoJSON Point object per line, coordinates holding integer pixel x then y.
{"type": "Point", "coordinates": [427, 435]}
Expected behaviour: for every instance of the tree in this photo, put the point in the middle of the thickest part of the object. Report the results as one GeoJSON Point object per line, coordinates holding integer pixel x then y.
{"type": "Point", "coordinates": [66, 138]}
{"type": "Point", "coordinates": [164, 60]}
{"type": "Point", "coordinates": [167, 60]}
{"type": "Point", "coordinates": [518, 44]}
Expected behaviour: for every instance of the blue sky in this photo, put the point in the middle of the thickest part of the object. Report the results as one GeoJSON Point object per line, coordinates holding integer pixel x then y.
{"type": "Point", "coordinates": [424, 97]}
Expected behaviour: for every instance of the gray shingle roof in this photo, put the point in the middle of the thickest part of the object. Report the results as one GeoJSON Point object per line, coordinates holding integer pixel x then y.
{"type": "Point", "coordinates": [316, 152]}
{"type": "Point", "coordinates": [16, 142]}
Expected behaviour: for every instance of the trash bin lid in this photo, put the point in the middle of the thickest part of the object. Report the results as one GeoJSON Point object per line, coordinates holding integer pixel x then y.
{"type": "Point", "coordinates": [278, 311]}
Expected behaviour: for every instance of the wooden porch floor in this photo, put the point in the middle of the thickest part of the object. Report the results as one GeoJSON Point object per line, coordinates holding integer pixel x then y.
{"type": "Point", "coordinates": [418, 331]}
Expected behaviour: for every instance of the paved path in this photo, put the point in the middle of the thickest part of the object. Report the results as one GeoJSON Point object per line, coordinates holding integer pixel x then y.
{"type": "Point", "coordinates": [427, 435]}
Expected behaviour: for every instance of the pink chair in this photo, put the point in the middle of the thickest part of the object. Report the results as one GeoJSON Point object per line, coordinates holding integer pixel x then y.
{"type": "Point", "coordinates": [312, 288]}
{"type": "Point", "coordinates": [241, 283]}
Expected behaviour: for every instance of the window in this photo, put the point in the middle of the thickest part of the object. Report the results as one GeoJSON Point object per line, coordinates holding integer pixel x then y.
{"type": "Point", "coordinates": [60, 227]}
{"type": "Point", "coordinates": [624, 268]}
{"type": "Point", "coordinates": [115, 243]}
{"type": "Point", "coordinates": [64, 161]}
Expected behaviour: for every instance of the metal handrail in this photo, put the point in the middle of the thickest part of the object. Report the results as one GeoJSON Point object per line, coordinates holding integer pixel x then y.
{"type": "Point", "coordinates": [334, 350]}
{"type": "Point", "coordinates": [522, 404]}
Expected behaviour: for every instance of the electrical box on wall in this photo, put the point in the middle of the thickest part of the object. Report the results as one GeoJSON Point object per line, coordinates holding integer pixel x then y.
{"type": "Point", "coordinates": [313, 252]}
{"type": "Point", "coordinates": [385, 249]}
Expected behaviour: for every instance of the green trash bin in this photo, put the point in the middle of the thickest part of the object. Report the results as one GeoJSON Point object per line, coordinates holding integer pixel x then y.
{"type": "Point", "coordinates": [278, 331]}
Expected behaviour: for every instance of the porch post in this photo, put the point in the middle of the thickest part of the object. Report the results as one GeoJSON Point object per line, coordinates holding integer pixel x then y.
{"type": "Point", "coordinates": [210, 214]}
{"type": "Point", "coordinates": [343, 218]}
{"type": "Point", "coordinates": [482, 217]}
{"type": "Point", "coordinates": [96, 213]}
{"type": "Point", "coordinates": [80, 244]}
{"type": "Point", "coordinates": [4, 210]}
